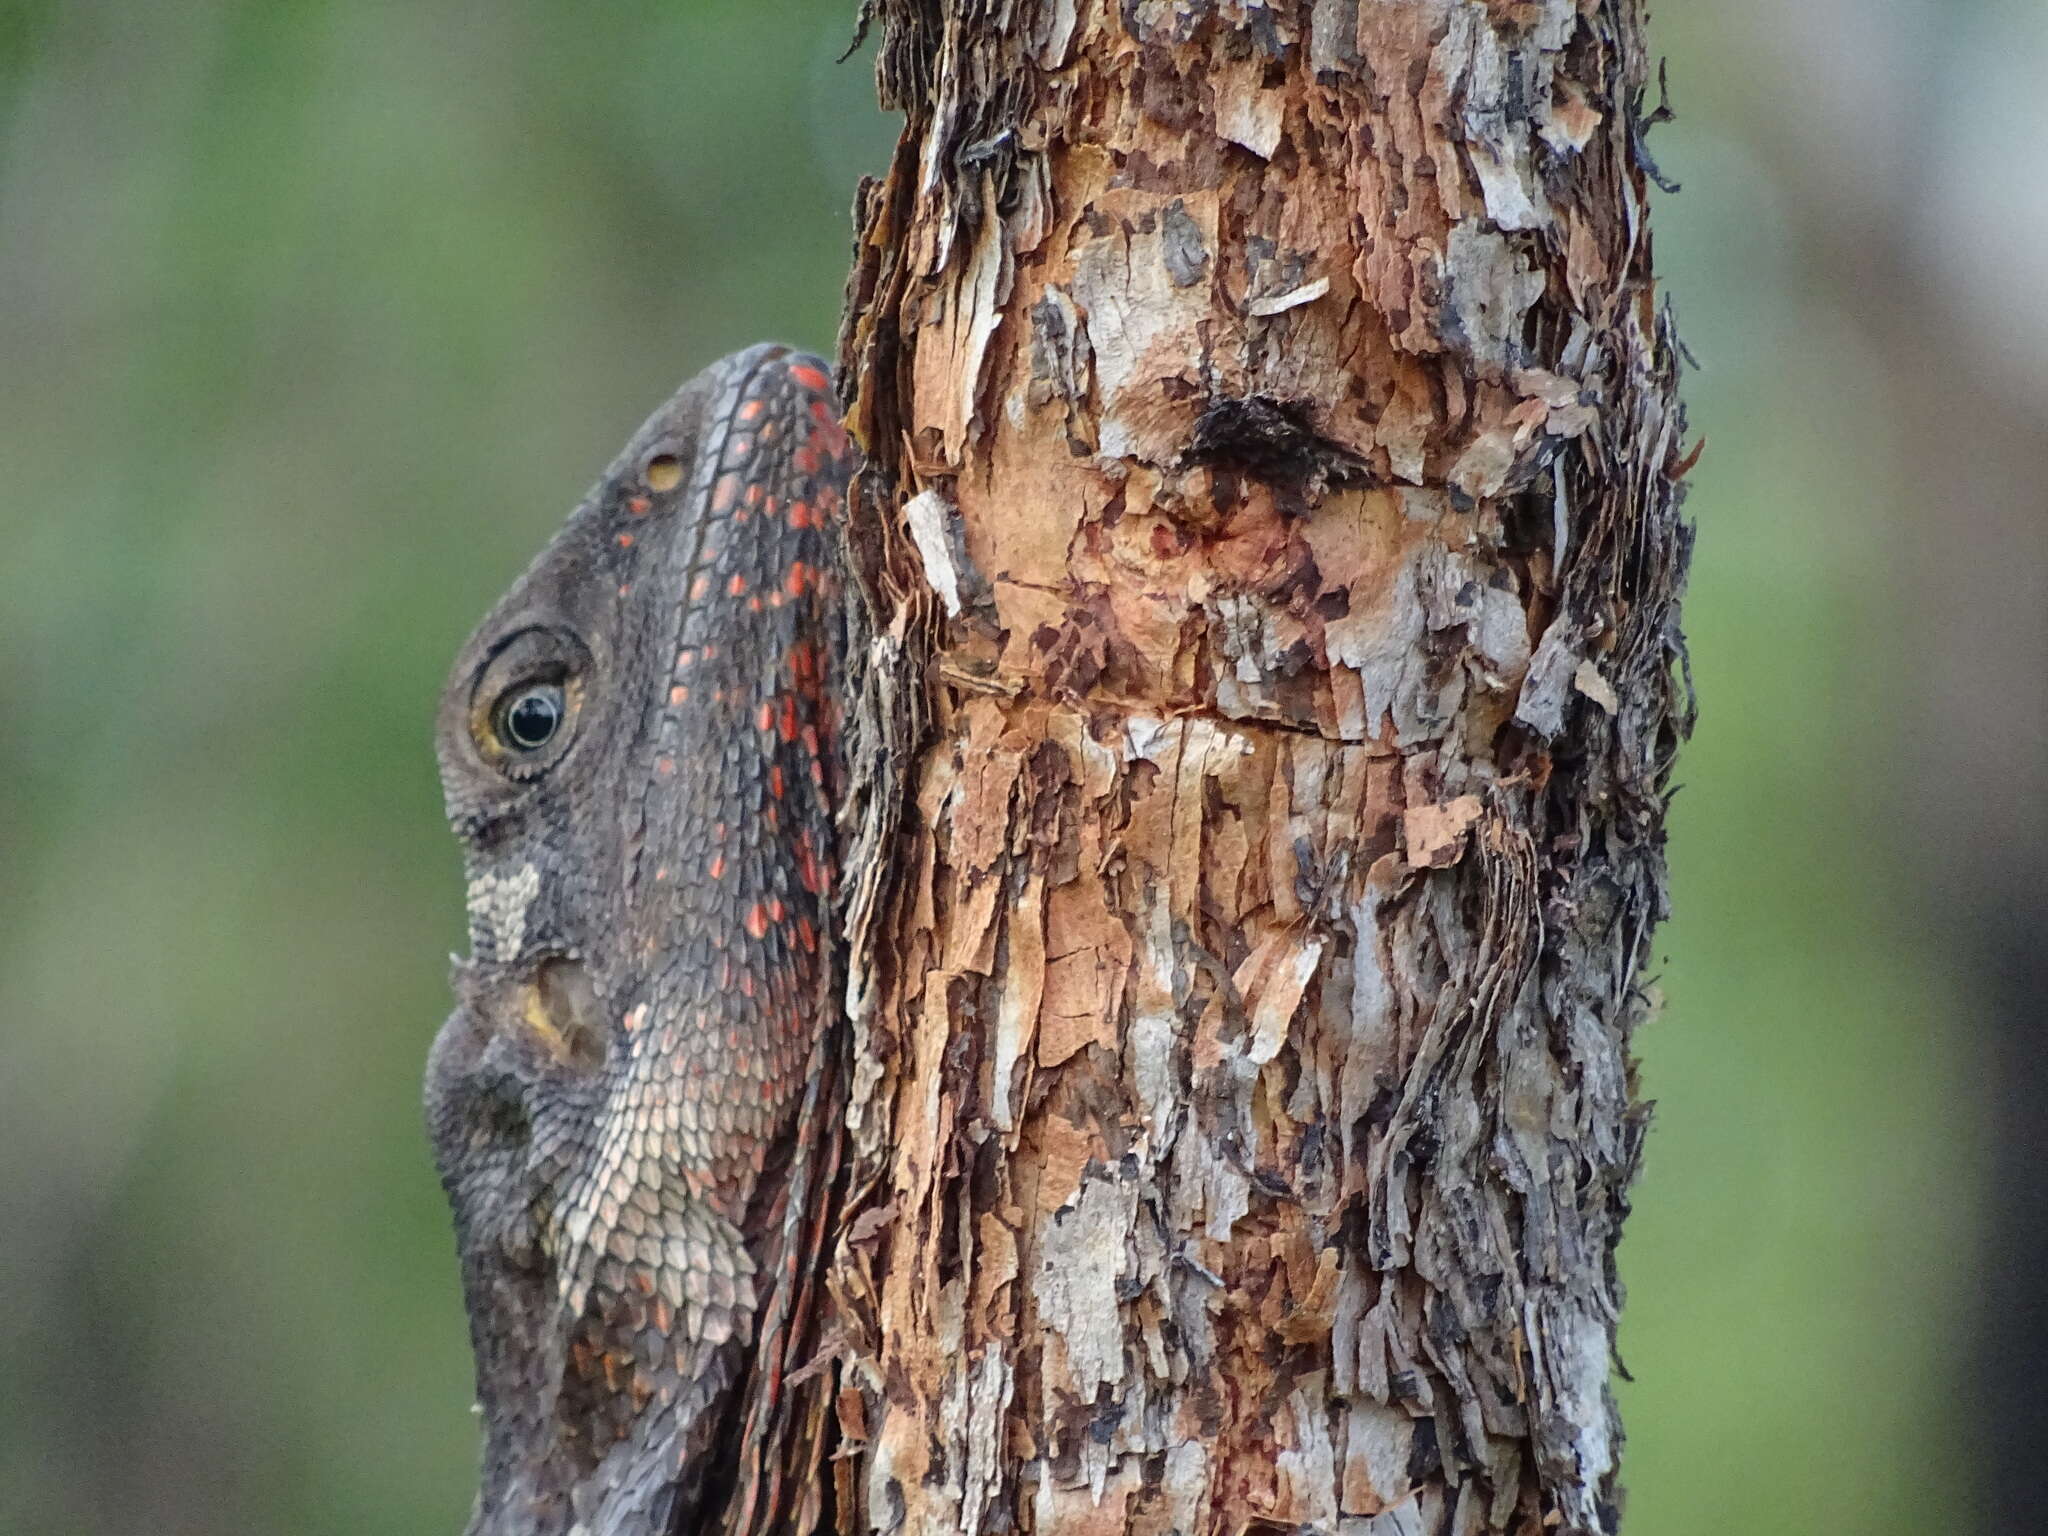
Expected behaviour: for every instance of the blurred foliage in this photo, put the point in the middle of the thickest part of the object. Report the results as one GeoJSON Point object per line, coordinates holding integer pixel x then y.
{"type": "Point", "coordinates": [317, 317]}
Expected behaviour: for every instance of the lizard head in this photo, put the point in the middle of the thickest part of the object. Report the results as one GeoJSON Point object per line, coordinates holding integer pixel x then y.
{"type": "Point", "coordinates": [541, 744]}
{"type": "Point", "coordinates": [633, 754]}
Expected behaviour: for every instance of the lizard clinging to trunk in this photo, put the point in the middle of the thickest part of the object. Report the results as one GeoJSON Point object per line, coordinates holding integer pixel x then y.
{"type": "Point", "coordinates": [638, 752]}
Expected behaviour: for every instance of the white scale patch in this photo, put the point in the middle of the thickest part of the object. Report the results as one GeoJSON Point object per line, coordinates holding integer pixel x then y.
{"type": "Point", "coordinates": [498, 905]}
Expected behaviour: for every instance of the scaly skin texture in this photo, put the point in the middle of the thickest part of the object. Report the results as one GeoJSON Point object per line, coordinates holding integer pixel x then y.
{"type": "Point", "coordinates": [616, 1104]}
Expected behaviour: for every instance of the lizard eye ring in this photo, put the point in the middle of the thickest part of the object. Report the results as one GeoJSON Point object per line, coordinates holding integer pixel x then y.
{"type": "Point", "coordinates": [525, 703]}
{"type": "Point", "coordinates": [527, 718]}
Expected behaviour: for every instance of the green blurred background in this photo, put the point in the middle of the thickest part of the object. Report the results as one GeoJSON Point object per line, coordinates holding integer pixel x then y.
{"type": "Point", "coordinates": [316, 315]}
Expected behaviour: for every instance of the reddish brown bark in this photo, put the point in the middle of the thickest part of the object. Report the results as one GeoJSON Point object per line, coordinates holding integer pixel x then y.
{"type": "Point", "coordinates": [1271, 544]}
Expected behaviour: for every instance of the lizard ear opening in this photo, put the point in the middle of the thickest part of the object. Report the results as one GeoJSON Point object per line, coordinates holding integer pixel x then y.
{"type": "Point", "coordinates": [573, 1022]}
{"type": "Point", "coordinates": [526, 702]}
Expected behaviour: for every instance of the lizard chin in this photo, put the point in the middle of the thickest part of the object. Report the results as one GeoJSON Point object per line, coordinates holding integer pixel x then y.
{"type": "Point", "coordinates": [608, 1300]}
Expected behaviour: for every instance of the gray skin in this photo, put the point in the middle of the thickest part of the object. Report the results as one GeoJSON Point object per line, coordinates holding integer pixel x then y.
{"type": "Point", "coordinates": [637, 752]}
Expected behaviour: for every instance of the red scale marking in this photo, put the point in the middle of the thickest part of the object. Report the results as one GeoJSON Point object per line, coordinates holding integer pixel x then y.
{"type": "Point", "coordinates": [766, 1040]}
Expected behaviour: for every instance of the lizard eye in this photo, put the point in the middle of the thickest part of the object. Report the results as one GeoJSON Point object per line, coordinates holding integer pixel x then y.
{"type": "Point", "coordinates": [527, 718]}
{"type": "Point", "coordinates": [525, 707]}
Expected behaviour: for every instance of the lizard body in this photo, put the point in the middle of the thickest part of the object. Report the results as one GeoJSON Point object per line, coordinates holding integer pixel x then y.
{"type": "Point", "coordinates": [638, 753]}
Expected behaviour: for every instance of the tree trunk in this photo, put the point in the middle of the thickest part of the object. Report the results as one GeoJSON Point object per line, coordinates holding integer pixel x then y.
{"type": "Point", "coordinates": [1270, 547]}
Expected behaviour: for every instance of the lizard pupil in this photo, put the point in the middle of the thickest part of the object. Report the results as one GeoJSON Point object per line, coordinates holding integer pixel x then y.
{"type": "Point", "coordinates": [530, 719]}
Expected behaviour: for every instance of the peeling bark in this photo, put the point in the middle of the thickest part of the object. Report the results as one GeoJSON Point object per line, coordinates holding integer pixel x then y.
{"type": "Point", "coordinates": [1270, 548]}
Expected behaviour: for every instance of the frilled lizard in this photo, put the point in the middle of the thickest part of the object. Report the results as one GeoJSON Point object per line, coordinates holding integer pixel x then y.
{"type": "Point", "coordinates": [630, 1105]}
